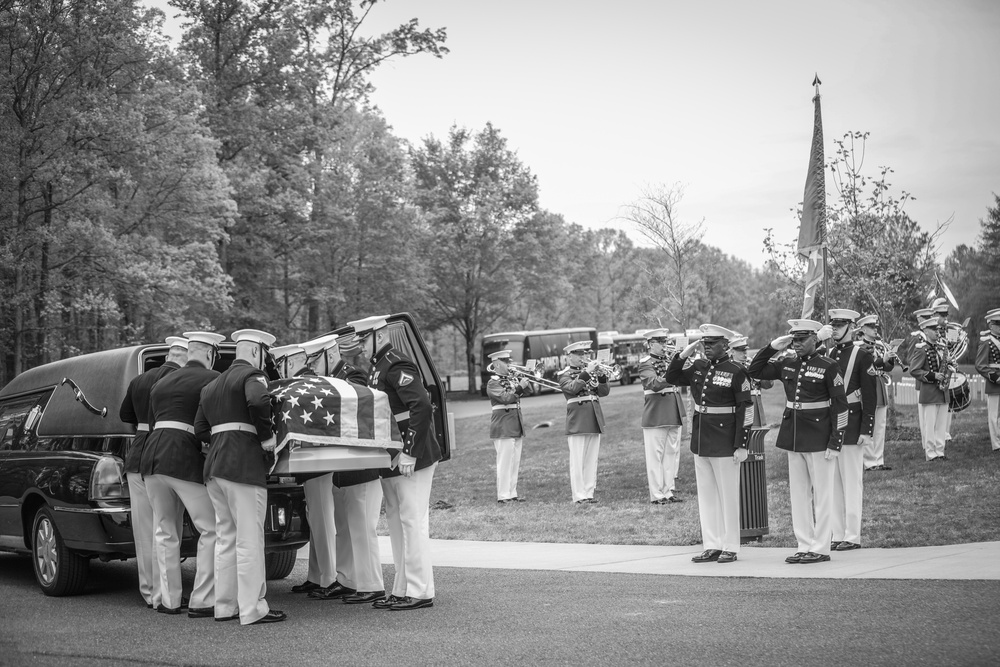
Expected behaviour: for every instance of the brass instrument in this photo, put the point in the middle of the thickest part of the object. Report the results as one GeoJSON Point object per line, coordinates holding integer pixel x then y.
{"type": "Point", "coordinates": [527, 373]}
{"type": "Point", "coordinates": [884, 351]}
{"type": "Point", "coordinates": [956, 339]}
{"type": "Point", "coordinates": [613, 372]}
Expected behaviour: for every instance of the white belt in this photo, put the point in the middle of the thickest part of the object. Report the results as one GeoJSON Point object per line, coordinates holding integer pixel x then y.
{"type": "Point", "coordinates": [180, 426]}
{"type": "Point", "coordinates": [141, 427]}
{"type": "Point", "coordinates": [854, 396]}
{"type": "Point", "coordinates": [668, 390]}
{"type": "Point", "coordinates": [509, 406]}
{"type": "Point", "coordinates": [233, 426]}
{"type": "Point", "coordinates": [715, 410]}
{"type": "Point", "coordinates": [815, 405]}
{"type": "Point", "coordinates": [581, 399]}
{"type": "Point", "coordinates": [401, 416]}
{"type": "Point", "coordinates": [755, 392]}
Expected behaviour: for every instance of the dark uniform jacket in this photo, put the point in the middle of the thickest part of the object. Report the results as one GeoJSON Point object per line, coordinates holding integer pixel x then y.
{"type": "Point", "coordinates": [505, 400]}
{"type": "Point", "coordinates": [988, 361]}
{"type": "Point", "coordinates": [397, 376]}
{"type": "Point", "coordinates": [583, 409]}
{"type": "Point", "coordinates": [807, 380]}
{"type": "Point", "coordinates": [345, 371]}
{"type": "Point", "coordinates": [882, 370]}
{"type": "Point", "coordinates": [135, 410]}
{"type": "Point", "coordinates": [928, 365]}
{"type": "Point", "coordinates": [237, 396]}
{"type": "Point", "coordinates": [723, 412]}
{"type": "Point", "coordinates": [857, 368]}
{"type": "Point", "coordinates": [663, 403]}
{"type": "Point", "coordinates": [171, 451]}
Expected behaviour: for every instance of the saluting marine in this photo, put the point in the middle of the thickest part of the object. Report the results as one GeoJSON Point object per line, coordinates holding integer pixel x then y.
{"type": "Point", "coordinates": [583, 382]}
{"type": "Point", "coordinates": [988, 365]}
{"type": "Point", "coordinates": [506, 423]}
{"type": "Point", "coordinates": [884, 361]}
{"type": "Point", "coordinates": [662, 418]}
{"type": "Point", "coordinates": [812, 431]}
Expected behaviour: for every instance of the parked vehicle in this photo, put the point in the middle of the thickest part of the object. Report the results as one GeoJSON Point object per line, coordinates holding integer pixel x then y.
{"type": "Point", "coordinates": [543, 347]}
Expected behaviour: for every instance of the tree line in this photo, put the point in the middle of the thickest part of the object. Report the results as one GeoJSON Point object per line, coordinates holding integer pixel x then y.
{"type": "Point", "coordinates": [243, 178]}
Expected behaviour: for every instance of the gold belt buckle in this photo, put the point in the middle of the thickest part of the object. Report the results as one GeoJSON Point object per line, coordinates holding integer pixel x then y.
{"type": "Point", "coordinates": [797, 406]}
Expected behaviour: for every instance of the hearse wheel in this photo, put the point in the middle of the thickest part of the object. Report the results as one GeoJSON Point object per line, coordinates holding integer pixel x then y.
{"type": "Point", "coordinates": [279, 564]}
{"type": "Point", "coordinates": [58, 570]}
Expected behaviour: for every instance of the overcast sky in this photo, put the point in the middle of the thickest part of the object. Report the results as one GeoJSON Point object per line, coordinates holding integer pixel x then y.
{"type": "Point", "coordinates": [601, 99]}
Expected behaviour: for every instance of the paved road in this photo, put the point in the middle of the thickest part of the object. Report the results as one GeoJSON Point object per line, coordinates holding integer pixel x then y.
{"type": "Point", "coordinates": [512, 617]}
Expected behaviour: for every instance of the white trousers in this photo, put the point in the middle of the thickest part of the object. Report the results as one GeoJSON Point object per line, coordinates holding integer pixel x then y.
{"type": "Point", "coordinates": [356, 510]}
{"type": "Point", "coordinates": [583, 452]}
{"type": "Point", "coordinates": [848, 492]}
{"type": "Point", "coordinates": [164, 493]}
{"type": "Point", "coordinates": [663, 451]}
{"type": "Point", "coordinates": [508, 464]}
{"type": "Point", "coordinates": [240, 582]}
{"type": "Point", "coordinates": [407, 511]}
{"type": "Point", "coordinates": [142, 535]}
{"type": "Point", "coordinates": [810, 487]}
{"type": "Point", "coordinates": [993, 415]}
{"type": "Point", "coordinates": [322, 533]}
{"type": "Point", "coordinates": [719, 501]}
{"type": "Point", "coordinates": [933, 420]}
{"type": "Point", "coordinates": [874, 454]}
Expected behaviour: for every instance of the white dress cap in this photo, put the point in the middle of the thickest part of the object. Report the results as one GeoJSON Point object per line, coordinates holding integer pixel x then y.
{"type": "Point", "coordinates": [993, 315]}
{"type": "Point", "coordinates": [177, 341]}
{"type": "Point", "coordinates": [656, 333]}
{"type": "Point", "coordinates": [253, 336]}
{"type": "Point", "coordinates": [286, 351]}
{"type": "Point", "coordinates": [923, 312]}
{"type": "Point", "coordinates": [844, 314]}
{"type": "Point", "coordinates": [928, 322]}
{"type": "Point", "coordinates": [940, 305]}
{"type": "Point", "coordinates": [715, 331]}
{"type": "Point", "coordinates": [317, 345]}
{"type": "Point", "coordinates": [868, 320]}
{"type": "Point", "coordinates": [373, 323]}
{"type": "Point", "coordinates": [738, 343]}
{"type": "Point", "coordinates": [804, 326]}
{"type": "Point", "coordinates": [502, 354]}
{"type": "Point", "coordinates": [579, 345]}
{"type": "Point", "coordinates": [207, 337]}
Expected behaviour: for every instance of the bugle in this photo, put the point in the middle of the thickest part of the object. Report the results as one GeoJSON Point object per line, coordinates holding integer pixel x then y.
{"type": "Point", "coordinates": [526, 373]}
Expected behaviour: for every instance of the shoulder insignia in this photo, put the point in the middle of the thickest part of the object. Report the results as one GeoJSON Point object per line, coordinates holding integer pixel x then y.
{"type": "Point", "coordinates": [646, 358]}
{"type": "Point", "coordinates": [261, 379]}
{"type": "Point", "coordinates": [838, 381]}
{"type": "Point", "coordinates": [920, 344]}
{"type": "Point", "coordinates": [404, 378]}
{"type": "Point", "coordinates": [872, 371]}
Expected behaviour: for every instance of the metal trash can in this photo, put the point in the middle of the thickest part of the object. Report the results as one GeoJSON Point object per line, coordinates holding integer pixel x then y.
{"type": "Point", "coordinates": [753, 490]}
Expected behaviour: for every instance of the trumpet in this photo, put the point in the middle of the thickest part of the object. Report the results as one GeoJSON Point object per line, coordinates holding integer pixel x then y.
{"type": "Point", "coordinates": [613, 372]}
{"type": "Point", "coordinates": [527, 373]}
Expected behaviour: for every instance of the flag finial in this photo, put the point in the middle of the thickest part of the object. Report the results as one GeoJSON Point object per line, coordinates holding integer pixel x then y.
{"type": "Point", "coordinates": [816, 80]}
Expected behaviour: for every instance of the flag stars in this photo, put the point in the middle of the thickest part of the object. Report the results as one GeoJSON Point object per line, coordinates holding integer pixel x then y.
{"type": "Point", "coordinates": [285, 416]}
{"type": "Point", "coordinates": [317, 402]}
{"type": "Point", "coordinates": [326, 392]}
{"type": "Point", "coordinates": [306, 417]}
{"type": "Point", "coordinates": [329, 419]}
{"type": "Point", "coordinates": [293, 400]}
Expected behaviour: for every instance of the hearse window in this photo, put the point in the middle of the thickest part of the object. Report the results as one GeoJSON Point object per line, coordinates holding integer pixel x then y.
{"type": "Point", "coordinates": [87, 444]}
{"type": "Point", "coordinates": [18, 419]}
{"type": "Point", "coordinates": [116, 445]}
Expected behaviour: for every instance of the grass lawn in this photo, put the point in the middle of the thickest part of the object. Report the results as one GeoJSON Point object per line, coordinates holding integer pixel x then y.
{"type": "Point", "coordinates": [915, 504]}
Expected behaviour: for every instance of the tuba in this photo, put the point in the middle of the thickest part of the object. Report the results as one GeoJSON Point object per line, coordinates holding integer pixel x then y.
{"type": "Point", "coordinates": [957, 339]}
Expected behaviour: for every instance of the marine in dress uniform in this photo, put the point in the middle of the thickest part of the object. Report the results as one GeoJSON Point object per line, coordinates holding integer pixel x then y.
{"type": "Point", "coordinates": [913, 337]}
{"type": "Point", "coordinates": [172, 465]}
{"type": "Point", "coordinates": [812, 431]}
{"type": "Point", "coordinates": [506, 424]}
{"type": "Point", "coordinates": [738, 350]}
{"type": "Point", "coordinates": [720, 430]}
{"type": "Point", "coordinates": [662, 418]}
{"type": "Point", "coordinates": [234, 417]}
{"type": "Point", "coordinates": [988, 365]}
{"type": "Point", "coordinates": [407, 484]}
{"type": "Point", "coordinates": [884, 361]}
{"type": "Point", "coordinates": [928, 363]}
{"type": "Point", "coordinates": [135, 410]}
{"type": "Point", "coordinates": [583, 384]}
{"type": "Point", "coordinates": [858, 370]}
{"type": "Point", "coordinates": [940, 307]}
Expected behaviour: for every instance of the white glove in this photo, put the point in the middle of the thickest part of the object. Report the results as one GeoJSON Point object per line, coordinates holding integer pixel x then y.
{"type": "Point", "coordinates": [690, 349]}
{"type": "Point", "coordinates": [406, 464]}
{"type": "Point", "coordinates": [865, 440]}
{"type": "Point", "coordinates": [592, 365]}
{"type": "Point", "coordinates": [525, 384]}
{"type": "Point", "coordinates": [782, 342]}
{"type": "Point", "coordinates": [825, 332]}
{"type": "Point", "coordinates": [831, 454]}
{"type": "Point", "coordinates": [269, 444]}
{"type": "Point", "coordinates": [740, 455]}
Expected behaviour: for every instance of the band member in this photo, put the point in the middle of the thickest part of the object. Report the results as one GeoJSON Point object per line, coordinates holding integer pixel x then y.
{"type": "Point", "coordinates": [738, 350]}
{"type": "Point", "coordinates": [235, 419]}
{"type": "Point", "coordinates": [884, 361]}
{"type": "Point", "coordinates": [135, 410]}
{"type": "Point", "coordinates": [915, 336]}
{"type": "Point", "coordinates": [662, 418]}
{"type": "Point", "coordinates": [723, 415]}
{"type": "Point", "coordinates": [928, 364]}
{"type": "Point", "coordinates": [407, 483]}
{"type": "Point", "coordinates": [583, 383]}
{"type": "Point", "coordinates": [812, 431]}
{"type": "Point", "coordinates": [988, 365]}
{"type": "Point", "coordinates": [172, 465]}
{"type": "Point", "coordinates": [941, 308]}
{"type": "Point", "coordinates": [858, 370]}
{"type": "Point", "coordinates": [506, 425]}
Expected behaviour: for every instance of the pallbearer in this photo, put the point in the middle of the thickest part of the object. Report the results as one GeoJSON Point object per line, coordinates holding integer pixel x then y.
{"type": "Point", "coordinates": [720, 435]}
{"type": "Point", "coordinates": [884, 362]}
{"type": "Point", "coordinates": [583, 383]}
{"type": "Point", "coordinates": [662, 418]}
{"type": "Point", "coordinates": [506, 425]}
{"type": "Point", "coordinates": [988, 365]}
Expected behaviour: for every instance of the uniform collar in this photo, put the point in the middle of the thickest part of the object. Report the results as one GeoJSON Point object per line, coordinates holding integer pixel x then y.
{"type": "Point", "coordinates": [661, 357]}
{"type": "Point", "coordinates": [240, 362]}
{"type": "Point", "coordinates": [716, 362]}
{"type": "Point", "coordinates": [380, 355]}
{"type": "Point", "coordinates": [170, 364]}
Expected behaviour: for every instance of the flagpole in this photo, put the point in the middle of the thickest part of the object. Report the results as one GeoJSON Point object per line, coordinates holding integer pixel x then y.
{"type": "Point", "coordinates": [822, 224]}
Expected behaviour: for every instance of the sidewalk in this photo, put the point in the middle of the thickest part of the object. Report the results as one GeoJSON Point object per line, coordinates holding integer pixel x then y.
{"type": "Point", "coordinates": [979, 561]}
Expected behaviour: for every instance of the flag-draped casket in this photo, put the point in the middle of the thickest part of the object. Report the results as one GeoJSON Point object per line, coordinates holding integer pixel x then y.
{"type": "Point", "coordinates": [324, 424]}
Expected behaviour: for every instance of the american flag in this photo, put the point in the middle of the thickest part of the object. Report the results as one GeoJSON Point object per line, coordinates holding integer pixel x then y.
{"type": "Point", "coordinates": [319, 411]}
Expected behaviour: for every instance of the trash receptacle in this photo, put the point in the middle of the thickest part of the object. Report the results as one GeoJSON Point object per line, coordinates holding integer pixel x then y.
{"type": "Point", "coordinates": [753, 490]}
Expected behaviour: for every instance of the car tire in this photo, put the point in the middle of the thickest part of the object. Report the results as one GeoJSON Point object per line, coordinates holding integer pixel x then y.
{"type": "Point", "coordinates": [58, 570]}
{"type": "Point", "coordinates": [279, 564]}
{"type": "Point", "coordinates": [626, 377]}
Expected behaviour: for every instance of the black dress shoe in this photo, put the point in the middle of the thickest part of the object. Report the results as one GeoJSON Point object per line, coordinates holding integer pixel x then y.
{"type": "Point", "coordinates": [201, 612]}
{"type": "Point", "coordinates": [273, 616]}
{"type": "Point", "coordinates": [848, 546]}
{"type": "Point", "coordinates": [334, 591]}
{"type": "Point", "coordinates": [412, 603]}
{"type": "Point", "coordinates": [814, 558]}
{"type": "Point", "coordinates": [834, 545]}
{"type": "Point", "coordinates": [519, 500]}
{"type": "Point", "coordinates": [726, 557]}
{"type": "Point", "coordinates": [707, 556]}
{"type": "Point", "coordinates": [796, 557]}
{"type": "Point", "coordinates": [364, 597]}
{"type": "Point", "coordinates": [167, 610]}
{"type": "Point", "coordinates": [581, 502]}
{"type": "Point", "coordinates": [672, 499]}
{"type": "Point", "coordinates": [305, 587]}
{"type": "Point", "coordinates": [593, 501]}
{"type": "Point", "coordinates": [943, 457]}
{"type": "Point", "coordinates": [222, 619]}
{"type": "Point", "coordinates": [149, 605]}
{"type": "Point", "coordinates": [385, 603]}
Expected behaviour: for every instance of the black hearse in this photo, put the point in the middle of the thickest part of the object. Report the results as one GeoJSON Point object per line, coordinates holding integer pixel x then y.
{"type": "Point", "coordinates": [63, 495]}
